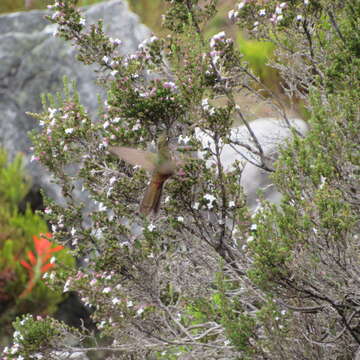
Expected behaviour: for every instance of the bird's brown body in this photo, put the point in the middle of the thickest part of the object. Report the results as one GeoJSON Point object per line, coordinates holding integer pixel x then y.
{"type": "Point", "coordinates": [151, 200]}
{"type": "Point", "coordinates": [160, 165]}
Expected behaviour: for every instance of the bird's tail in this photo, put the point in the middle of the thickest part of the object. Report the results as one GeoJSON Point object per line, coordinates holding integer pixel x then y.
{"type": "Point", "coordinates": [152, 197]}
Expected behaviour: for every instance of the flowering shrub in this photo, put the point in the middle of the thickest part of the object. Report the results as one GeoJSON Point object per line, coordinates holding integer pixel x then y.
{"type": "Point", "coordinates": [206, 279]}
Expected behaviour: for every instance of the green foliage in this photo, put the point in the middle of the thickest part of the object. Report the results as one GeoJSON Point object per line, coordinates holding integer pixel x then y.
{"type": "Point", "coordinates": [13, 186]}
{"type": "Point", "coordinates": [17, 230]}
{"type": "Point", "coordinates": [7, 6]}
{"type": "Point", "coordinates": [204, 279]}
{"type": "Point", "coordinates": [258, 54]}
{"type": "Point", "coordinates": [32, 334]}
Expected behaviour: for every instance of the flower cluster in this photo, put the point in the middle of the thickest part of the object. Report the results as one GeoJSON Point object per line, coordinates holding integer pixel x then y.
{"type": "Point", "coordinates": [270, 11]}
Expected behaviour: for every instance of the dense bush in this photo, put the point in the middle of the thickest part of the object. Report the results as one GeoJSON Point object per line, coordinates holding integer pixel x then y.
{"type": "Point", "coordinates": [206, 279]}
{"type": "Point", "coordinates": [19, 293]}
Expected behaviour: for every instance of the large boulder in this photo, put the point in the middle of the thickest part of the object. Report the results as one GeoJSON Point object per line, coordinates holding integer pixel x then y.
{"type": "Point", "coordinates": [33, 61]}
{"type": "Point", "coordinates": [270, 134]}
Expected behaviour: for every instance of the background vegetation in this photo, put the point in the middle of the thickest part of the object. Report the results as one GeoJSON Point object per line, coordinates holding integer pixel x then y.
{"type": "Point", "coordinates": [206, 278]}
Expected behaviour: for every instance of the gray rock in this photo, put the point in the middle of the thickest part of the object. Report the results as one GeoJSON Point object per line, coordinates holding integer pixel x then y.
{"type": "Point", "coordinates": [270, 133]}
{"type": "Point", "coordinates": [33, 61]}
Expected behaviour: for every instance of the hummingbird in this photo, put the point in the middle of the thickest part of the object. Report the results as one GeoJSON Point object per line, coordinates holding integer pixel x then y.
{"type": "Point", "coordinates": [160, 165]}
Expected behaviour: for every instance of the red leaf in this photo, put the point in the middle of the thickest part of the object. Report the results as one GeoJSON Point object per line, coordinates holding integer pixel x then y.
{"type": "Point", "coordinates": [32, 257]}
{"type": "Point", "coordinates": [56, 248]}
{"type": "Point", "coordinates": [25, 264]}
{"type": "Point", "coordinates": [46, 267]}
{"type": "Point", "coordinates": [42, 245]}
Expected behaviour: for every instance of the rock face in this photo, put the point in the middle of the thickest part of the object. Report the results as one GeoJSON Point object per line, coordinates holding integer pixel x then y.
{"type": "Point", "coordinates": [33, 61]}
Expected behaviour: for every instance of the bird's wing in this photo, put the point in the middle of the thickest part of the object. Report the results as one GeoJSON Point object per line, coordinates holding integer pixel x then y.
{"type": "Point", "coordinates": [145, 159]}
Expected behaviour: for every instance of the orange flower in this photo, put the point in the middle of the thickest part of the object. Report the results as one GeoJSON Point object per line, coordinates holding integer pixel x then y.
{"type": "Point", "coordinates": [38, 264]}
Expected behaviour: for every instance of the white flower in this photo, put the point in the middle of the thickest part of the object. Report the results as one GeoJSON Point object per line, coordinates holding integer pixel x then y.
{"type": "Point", "coordinates": [82, 21]}
{"type": "Point", "coordinates": [322, 182]}
{"type": "Point", "coordinates": [69, 131]}
{"type": "Point", "coordinates": [180, 219]}
{"type": "Point", "coordinates": [55, 15]}
{"type": "Point", "coordinates": [14, 349]}
{"type": "Point", "coordinates": [17, 335]}
{"type": "Point", "coordinates": [253, 227]}
{"type": "Point", "coordinates": [153, 38]}
{"type": "Point", "coordinates": [137, 126]}
{"type": "Point", "coordinates": [231, 204]}
{"type": "Point", "coordinates": [217, 37]}
{"type": "Point", "coordinates": [262, 12]}
{"type": "Point", "coordinates": [278, 10]}
{"type": "Point", "coordinates": [102, 207]}
{"type": "Point", "coordinates": [115, 41]}
{"type": "Point", "coordinates": [52, 112]}
{"type": "Point", "coordinates": [129, 303]}
{"type": "Point", "coordinates": [115, 120]}
{"type": "Point", "coordinates": [115, 300]}
{"type": "Point", "coordinates": [299, 18]}
{"type": "Point", "coordinates": [250, 239]}
{"type": "Point", "coordinates": [169, 85]}
{"type": "Point", "coordinates": [112, 180]}
{"type": "Point", "coordinates": [143, 44]}
{"type": "Point", "coordinates": [283, 5]}
{"type": "Point", "coordinates": [196, 206]}
{"type": "Point", "coordinates": [306, 2]}
{"type": "Point", "coordinates": [184, 139]}
{"type": "Point", "coordinates": [241, 5]}
{"type": "Point", "coordinates": [256, 23]}
{"type": "Point", "coordinates": [52, 275]}
{"type": "Point", "coordinates": [105, 59]}
{"type": "Point", "coordinates": [67, 286]}
{"type": "Point", "coordinates": [73, 231]}
{"type": "Point", "coordinates": [279, 18]}
{"type": "Point", "coordinates": [106, 124]}
{"type": "Point", "coordinates": [140, 311]}
{"type": "Point", "coordinates": [211, 199]}
{"type": "Point", "coordinates": [114, 72]}
{"type": "Point", "coordinates": [38, 356]}
{"type": "Point", "coordinates": [52, 260]}
{"type": "Point", "coordinates": [101, 325]}
{"type": "Point", "coordinates": [232, 14]}
{"type": "Point", "coordinates": [283, 312]}
{"type": "Point", "coordinates": [151, 227]}
{"type": "Point", "coordinates": [205, 104]}
{"type": "Point", "coordinates": [106, 290]}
